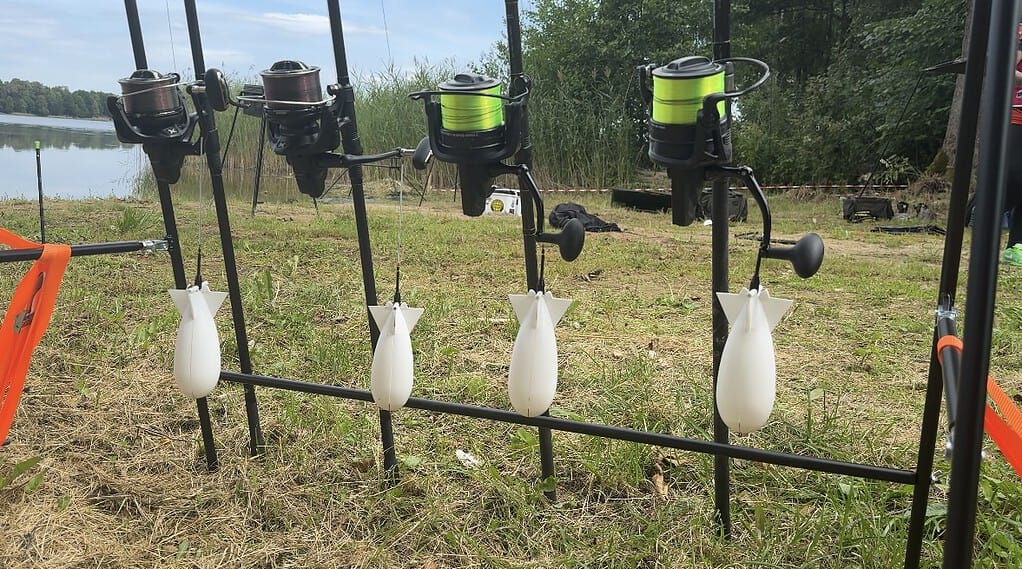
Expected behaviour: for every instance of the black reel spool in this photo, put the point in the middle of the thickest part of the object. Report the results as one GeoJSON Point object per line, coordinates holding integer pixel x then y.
{"type": "Point", "coordinates": [151, 111]}
{"type": "Point", "coordinates": [689, 129]}
{"type": "Point", "coordinates": [472, 125]}
{"type": "Point", "coordinates": [300, 123]}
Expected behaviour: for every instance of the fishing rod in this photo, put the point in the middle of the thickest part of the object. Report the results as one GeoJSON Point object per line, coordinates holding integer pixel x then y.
{"type": "Point", "coordinates": [306, 128]}
{"type": "Point", "coordinates": [151, 111]}
{"type": "Point", "coordinates": [471, 123]}
{"type": "Point", "coordinates": [688, 118]}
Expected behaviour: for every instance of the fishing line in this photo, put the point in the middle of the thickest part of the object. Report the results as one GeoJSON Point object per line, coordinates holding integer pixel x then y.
{"type": "Point", "coordinates": [170, 30]}
{"type": "Point", "coordinates": [203, 208]}
{"type": "Point", "coordinates": [386, 32]}
{"type": "Point", "coordinates": [230, 137]}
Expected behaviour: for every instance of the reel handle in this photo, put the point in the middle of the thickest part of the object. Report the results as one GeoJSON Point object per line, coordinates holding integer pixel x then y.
{"type": "Point", "coordinates": [805, 256]}
{"type": "Point", "coordinates": [569, 241]}
{"type": "Point", "coordinates": [217, 91]}
{"type": "Point", "coordinates": [422, 155]}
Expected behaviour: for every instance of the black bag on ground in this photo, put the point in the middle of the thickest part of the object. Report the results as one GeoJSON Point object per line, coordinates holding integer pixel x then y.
{"type": "Point", "coordinates": [560, 215]}
{"type": "Point", "coordinates": [861, 208]}
{"type": "Point", "coordinates": [737, 205]}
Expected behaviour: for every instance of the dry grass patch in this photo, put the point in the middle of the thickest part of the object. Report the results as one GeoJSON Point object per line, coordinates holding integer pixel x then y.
{"type": "Point", "coordinates": [121, 481]}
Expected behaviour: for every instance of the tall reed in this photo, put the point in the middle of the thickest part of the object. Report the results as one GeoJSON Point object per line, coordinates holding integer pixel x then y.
{"type": "Point", "coordinates": [577, 143]}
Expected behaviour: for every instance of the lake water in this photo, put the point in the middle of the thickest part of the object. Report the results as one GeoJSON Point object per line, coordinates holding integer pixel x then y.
{"type": "Point", "coordinates": [80, 158]}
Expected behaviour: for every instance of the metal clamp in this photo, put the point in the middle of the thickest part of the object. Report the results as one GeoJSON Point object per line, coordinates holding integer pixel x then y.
{"type": "Point", "coordinates": [156, 245]}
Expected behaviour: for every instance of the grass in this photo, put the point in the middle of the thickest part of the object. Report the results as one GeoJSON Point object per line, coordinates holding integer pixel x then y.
{"type": "Point", "coordinates": [105, 466]}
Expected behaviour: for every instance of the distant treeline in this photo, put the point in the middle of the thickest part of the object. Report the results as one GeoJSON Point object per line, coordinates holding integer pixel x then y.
{"type": "Point", "coordinates": [34, 98]}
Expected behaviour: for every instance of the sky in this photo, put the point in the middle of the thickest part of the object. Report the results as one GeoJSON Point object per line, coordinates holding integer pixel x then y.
{"type": "Point", "coordinates": [85, 44]}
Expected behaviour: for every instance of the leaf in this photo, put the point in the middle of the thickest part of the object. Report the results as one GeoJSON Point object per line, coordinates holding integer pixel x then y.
{"type": "Point", "coordinates": [410, 460]}
{"type": "Point", "coordinates": [659, 486]}
{"type": "Point", "coordinates": [523, 439]}
{"type": "Point", "coordinates": [548, 484]}
{"type": "Point", "coordinates": [34, 482]}
{"type": "Point", "coordinates": [19, 469]}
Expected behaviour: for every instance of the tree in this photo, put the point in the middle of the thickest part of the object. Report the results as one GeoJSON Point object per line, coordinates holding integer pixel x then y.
{"type": "Point", "coordinates": [20, 96]}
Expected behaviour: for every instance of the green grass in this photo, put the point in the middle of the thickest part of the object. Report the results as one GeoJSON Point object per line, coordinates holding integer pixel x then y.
{"type": "Point", "coordinates": [121, 479]}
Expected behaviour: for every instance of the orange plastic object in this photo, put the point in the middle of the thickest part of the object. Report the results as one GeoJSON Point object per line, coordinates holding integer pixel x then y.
{"type": "Point", "coordinates": [1007, 432]}
{"type": "Point", "coordinates": [26, 320]}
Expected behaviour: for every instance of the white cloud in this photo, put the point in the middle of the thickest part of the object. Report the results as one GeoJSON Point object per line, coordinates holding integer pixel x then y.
{"type": "Point", "coordinates": [32, 28]}
{"type": "Point", "coordinates": [307, 23]}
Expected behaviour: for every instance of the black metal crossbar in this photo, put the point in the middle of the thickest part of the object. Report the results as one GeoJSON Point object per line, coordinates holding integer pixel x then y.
{"type": "Point", "coordinates": [592, 429]}
{"type": "Point", "coordinates": [12, 255]}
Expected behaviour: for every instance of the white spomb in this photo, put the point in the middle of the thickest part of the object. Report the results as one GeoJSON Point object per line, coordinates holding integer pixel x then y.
{"type": "Point", "coordinates": [747, 378]}
{"type": "Point", "coordinates": [532, 377]}
{"type": "Point", "coordinates": [197, 348]}
{"type": "Point", "coordinates": [393, 370]}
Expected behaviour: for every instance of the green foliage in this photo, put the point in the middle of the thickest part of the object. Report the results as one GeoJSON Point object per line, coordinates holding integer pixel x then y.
{"type": "Point", "coordinates": [19, 469]}
{"type": "Point", "coordinates": [34, 98]}
{"type": "Point", "coordinates": [847, 90]}
{"type": "Point", "coordinates": [134, 220]}
{"type": "Point", "coordinates": [833, 122]}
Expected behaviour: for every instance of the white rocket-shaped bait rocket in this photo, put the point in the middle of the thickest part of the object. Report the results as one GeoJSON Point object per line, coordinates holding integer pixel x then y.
{"type": "Point", "coordinates": [532, 378]}
{"type": "Point", "coordinates": [747, 378]}
{"type": "Point", "coordinates": [197, 349]}
{"type": "Point", "coordinates": [393, 365]}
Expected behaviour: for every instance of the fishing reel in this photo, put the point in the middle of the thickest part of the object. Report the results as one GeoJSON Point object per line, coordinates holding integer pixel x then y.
{"type": "Point", "coordinates": [474, 126]}
{"type": "Point", "coordinates": [301, 124]}
{"type": "Point", "coordinates": [689, 129]}
{"type": "Point", "coordinates": [151, 111]}
{"type": "Point", "coordinates": [690, 134]}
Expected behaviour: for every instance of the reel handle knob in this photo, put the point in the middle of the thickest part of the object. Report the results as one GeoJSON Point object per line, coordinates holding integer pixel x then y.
{"type": "Point", "coordinates": [422, 155]}
{"type": "Point", "coordinates": [217, 91]}
{"type": "Point", "coordinates": [805, 256]}
{"type": "Point", "coordinates": [570, 240]}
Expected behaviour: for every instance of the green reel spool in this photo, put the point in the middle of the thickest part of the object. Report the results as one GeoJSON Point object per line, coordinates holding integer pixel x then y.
{"type": "Point", "coordinates": [467, 111]}
{"type": "Point", "coordinates": [680, 87]}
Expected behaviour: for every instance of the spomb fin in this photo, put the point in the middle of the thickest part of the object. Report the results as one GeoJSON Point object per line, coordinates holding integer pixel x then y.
{"type": "Point", "coordinates": [180, 298]}
{"type": "Point", "coordinates": [522, 303]}
{"type": "Point", "coordinates": [412, 316]}
{"type": "Point", "coordinates": [380, 314]}
{"type": "Point", "coordinates": [733, 303]}
{"type": "Point", "coordinates": [775, 308]}
{"type": "Point", "coordinates": [557, 307]}
{"type": "Point", "coordinates": [213, 299]}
